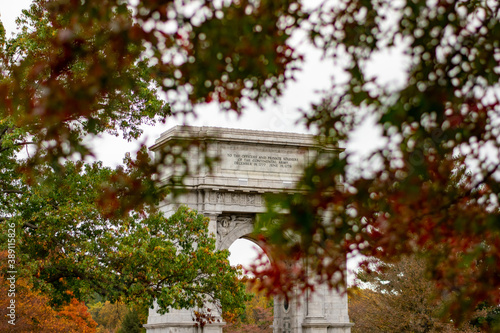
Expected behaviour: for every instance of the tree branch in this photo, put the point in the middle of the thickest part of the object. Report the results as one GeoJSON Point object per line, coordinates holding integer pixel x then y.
{"type": "Point", "coordinates": [29, 225]}
{"type": "Point", "coordinates": [24, 143]}
{"type": "Point", "coordinates": [13, 191]}
{"type": "Point", "coordinates": [3, 131]}
{"type": "Point", "coordinates": [25, 225]}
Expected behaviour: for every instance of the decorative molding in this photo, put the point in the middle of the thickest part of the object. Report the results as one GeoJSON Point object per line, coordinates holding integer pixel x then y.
{"type": "Point", "coordinates": [227, 223]}
{"type": "Point", "coordinates": [234, 198]}
{"type": "Point", "coordinates": [287, 325]}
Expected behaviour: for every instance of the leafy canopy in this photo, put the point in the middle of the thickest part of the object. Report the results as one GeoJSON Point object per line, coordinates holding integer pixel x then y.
{"type": "Point", "coordinates": [77, 247]}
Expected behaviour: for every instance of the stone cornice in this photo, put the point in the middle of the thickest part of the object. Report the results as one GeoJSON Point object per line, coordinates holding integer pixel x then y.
{"type": "Point", "coordinates": [221, 134]}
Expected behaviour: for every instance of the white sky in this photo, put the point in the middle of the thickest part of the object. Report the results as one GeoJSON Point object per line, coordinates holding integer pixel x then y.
{"type": "Point", "coordinates": [275, 117]}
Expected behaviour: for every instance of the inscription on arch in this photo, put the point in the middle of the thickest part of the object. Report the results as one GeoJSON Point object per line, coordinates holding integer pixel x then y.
{"type": "Point", "coordinates": [264, 159]}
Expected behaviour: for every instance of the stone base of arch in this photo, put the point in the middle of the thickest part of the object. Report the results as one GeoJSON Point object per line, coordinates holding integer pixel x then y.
{"type": "Point", "coordinates": [178, 321]}
{"type": "Point", "coordinates": [324, 311]}
{"type": "Point", "coordinates": [294, 319]}
{"type": "Point", "coordinates": [183, 328]}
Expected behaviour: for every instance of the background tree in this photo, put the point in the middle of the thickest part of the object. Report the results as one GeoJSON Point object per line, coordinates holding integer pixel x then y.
{"type": "Point", "coordinates": [77, 248]}
{"type": "Point", "coordinates": [258, 315]}
{"type": "Point", "coordinates": [398, 297]}
{"type": "Point", "coordinates": [487, 318]}
{"type": "Point", "coordinates": [34, 312]}
{"type": "Point", "coordinates": [107, 315]}
{"type": "Point", "coordinates": [131, 323]}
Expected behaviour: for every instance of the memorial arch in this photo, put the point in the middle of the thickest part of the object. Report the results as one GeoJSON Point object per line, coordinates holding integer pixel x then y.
{"type": "Point", "coordinates": [252, 163]}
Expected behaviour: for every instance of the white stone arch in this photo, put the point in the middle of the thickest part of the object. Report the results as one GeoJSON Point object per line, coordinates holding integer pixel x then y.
{"type": "Point", "coordinates": [252, 163]}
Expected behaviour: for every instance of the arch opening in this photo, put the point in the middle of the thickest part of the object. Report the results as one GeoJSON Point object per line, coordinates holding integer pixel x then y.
{"type": "Point", "coordinates": [244, 251]}
{"type": "Point", "coordinates": [260, 309]}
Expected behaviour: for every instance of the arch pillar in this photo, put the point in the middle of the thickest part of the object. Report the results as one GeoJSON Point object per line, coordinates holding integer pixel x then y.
{"type": "Point", "coordinates": [181, 320]}
{"type": "Point", "coordinates": [315, 320]}
{"type": "Point", "coordinates": [321, 311]}
{"type": "Point", "coordinates": [212, 226]}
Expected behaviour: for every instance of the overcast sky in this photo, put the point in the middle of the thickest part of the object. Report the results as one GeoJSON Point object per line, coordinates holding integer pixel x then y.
{"type": "Point", "coordinates": [281, 117]}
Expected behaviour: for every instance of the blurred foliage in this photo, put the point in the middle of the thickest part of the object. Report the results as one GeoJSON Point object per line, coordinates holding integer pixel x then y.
{"type": "Point", "coordinates": [87, 67]}
{"type": "Point", "coordinates": [84, 228]}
